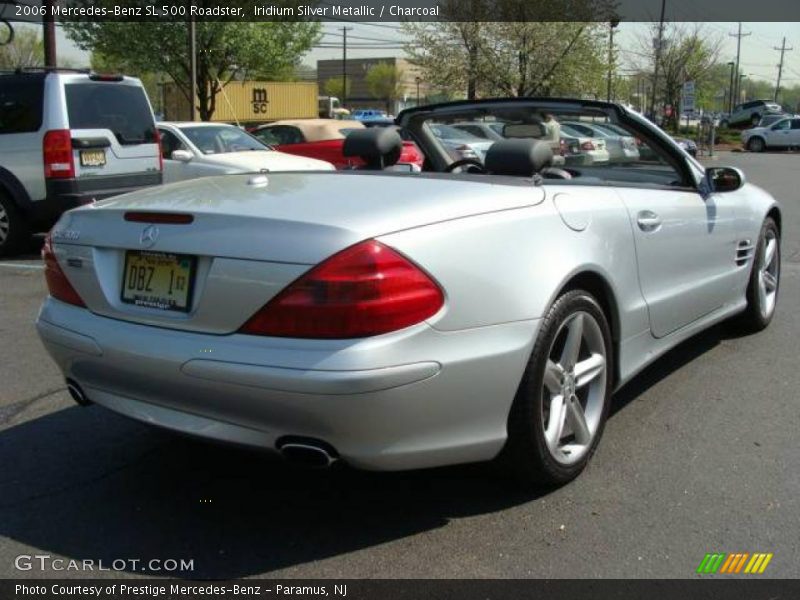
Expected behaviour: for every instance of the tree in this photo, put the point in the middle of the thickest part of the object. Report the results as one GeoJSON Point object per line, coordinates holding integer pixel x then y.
{"type": "Point", "coordinates": [520, 51]}
{"type": "Point", "coordinates": [688, 53]}
{"type": "Point", "coordinates": [225, 51]}
{"type": "Point", "coordinates": [333, 87]}
{"type": "Point", "coordinates": [385, 82]}
{"type": "Point", "coordinates": [25, 50]}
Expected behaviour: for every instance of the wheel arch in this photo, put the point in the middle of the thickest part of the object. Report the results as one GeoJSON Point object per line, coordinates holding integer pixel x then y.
{"type": "Point", "coordinates": [775, 214]}
{"type": "Point", "coordinates": [598, 286]}
{"type": "Point", "coordinates": [13, 189]}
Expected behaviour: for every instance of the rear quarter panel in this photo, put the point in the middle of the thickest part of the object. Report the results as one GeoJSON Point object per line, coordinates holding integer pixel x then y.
{"type": "Point", "coordinates": [511, 265]}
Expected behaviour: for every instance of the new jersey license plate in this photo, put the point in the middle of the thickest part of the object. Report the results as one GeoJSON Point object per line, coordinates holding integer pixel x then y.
{"type": "Point", "coordinates": [93, 158]}
{"type": "Point", "coordinates": [158, 280]}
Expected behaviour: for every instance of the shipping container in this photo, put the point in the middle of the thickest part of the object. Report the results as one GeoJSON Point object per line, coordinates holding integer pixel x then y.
{"type": "Point", "coordinates": [250, 102]}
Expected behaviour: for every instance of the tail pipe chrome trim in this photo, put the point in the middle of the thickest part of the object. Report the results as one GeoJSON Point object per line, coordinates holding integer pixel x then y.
{"type": "Point", "coordinates": [307, 452]}
{"type": "Point", "coordinates": [77, 393]}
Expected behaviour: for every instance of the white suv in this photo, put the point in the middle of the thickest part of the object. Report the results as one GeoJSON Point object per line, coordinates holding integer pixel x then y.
{"type": "Point", "coordinates": [69, 138]}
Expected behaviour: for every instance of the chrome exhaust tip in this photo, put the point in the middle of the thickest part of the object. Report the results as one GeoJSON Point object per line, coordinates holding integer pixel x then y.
{"type": "Point", "coordinates": [307, 452]}
{"type": "Point", "coordinates": [77, 393]}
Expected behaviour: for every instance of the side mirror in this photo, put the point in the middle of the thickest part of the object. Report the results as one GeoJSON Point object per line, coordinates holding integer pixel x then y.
{"type": "Point", "coordinates": [181, 155]}
{"type": "Point", "coordinates": [724, 179]}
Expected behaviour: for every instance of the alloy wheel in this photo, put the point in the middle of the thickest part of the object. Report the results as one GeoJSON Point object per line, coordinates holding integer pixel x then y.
{"type": "Point", "coordinates": [574, 388]}
{"type": "Point", "coordinates": [5, 224]}
{"type": "Point", "coordinates": [768, 274]}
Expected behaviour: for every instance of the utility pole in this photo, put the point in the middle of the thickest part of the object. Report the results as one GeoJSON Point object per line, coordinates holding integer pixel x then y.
{"type": "Point", "coordinates": [193, 69]}
{"type": "Point", "coordinates": [658, 59]}
{"type": "Point", "coordinates": [738, 37]}
{"type": "Point", "coordinates": [783, 50]}
{"type": "Point", "coordinates": [49, 34]}
{"type": "Point", "coordinates": [344, 64]}
{"type": "Point", "coordinates": [612, 26]}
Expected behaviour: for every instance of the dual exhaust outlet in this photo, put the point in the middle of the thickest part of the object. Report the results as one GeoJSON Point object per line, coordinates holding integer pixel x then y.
{"type": "Point", "coordinates": [303, 451]}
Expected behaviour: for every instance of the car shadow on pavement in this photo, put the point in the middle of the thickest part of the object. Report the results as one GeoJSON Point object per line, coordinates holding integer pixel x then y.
{"type": "Point", "coordinates": [84, 483]}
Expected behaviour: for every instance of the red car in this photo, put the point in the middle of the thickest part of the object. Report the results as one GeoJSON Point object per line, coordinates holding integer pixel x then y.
{"type": "Point", "coordinates": [323, 139]}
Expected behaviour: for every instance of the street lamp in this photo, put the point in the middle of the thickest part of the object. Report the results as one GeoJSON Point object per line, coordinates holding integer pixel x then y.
{"type": "Point", "coordinates": [730, 91]}
{"type": "Point", "coordinates": [613, 24]}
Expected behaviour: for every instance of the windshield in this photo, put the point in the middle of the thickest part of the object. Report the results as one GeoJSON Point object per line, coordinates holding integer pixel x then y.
{"type": "Point", "coordinates": [222, 139]}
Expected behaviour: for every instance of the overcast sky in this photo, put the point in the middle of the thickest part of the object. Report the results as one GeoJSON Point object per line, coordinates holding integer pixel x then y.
{"type": "Point", "coordinates": [759, 58]}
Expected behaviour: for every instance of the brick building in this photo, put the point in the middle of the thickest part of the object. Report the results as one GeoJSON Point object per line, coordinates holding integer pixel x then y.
{"type": "Point", "coordinates": [359, 96]}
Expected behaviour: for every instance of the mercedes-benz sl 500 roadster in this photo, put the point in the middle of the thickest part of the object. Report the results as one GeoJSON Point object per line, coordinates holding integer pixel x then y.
{"type": "Point", "coordinates": [482, 309]}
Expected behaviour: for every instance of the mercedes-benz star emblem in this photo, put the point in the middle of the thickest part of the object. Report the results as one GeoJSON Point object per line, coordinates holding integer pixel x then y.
{"type": "Point", "coordinates": [149, 236]}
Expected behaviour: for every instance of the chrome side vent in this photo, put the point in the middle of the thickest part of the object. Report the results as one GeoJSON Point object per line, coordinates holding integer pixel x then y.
{"type": "Point", "coordinates": [744, 252]}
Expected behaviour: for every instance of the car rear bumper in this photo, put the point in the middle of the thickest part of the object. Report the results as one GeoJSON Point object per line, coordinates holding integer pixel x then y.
{"type": "Point", "coordinates": [411, 399]}
{"type": "Point", "coordinates": [64, 194]}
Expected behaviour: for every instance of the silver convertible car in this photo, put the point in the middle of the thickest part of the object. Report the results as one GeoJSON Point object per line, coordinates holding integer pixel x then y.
{"type": "Point", "coordinates": [392, 319]}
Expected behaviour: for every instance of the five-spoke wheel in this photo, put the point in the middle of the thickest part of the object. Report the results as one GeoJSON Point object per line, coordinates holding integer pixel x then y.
{"type": "Point", "coordinates": [561, 405]}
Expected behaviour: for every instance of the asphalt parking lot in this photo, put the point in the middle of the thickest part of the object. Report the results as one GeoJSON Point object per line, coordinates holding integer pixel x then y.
{"type": "Point", "coordinates": [700, 455]}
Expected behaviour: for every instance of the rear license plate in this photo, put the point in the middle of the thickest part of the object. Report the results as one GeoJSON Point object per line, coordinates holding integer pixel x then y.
{"type": "Point", "coordinates": [93, 158]}
{"type": "Point", "coordinates": [158, 280]}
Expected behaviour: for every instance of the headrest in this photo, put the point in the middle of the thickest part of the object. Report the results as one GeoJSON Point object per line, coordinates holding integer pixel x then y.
{"type": "Point", "coordinates": [379, 147]}
{"type": "Point", "coordinates": [521, 157]}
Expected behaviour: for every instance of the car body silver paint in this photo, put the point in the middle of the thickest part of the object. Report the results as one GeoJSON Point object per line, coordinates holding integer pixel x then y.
{"type": "Point", "coordinates": [502, 254]}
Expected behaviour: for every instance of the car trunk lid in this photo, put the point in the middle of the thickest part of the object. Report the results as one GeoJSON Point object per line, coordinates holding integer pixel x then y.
{"type": "Point", "coordinates": [245, 237]}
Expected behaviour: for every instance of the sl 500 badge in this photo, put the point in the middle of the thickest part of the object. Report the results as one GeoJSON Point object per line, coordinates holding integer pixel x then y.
{"type": "Point", "coordinates": [66, 234]}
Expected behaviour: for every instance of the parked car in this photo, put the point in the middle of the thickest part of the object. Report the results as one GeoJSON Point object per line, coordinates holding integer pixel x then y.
{"type": "Point", "coordinates": [488, 131]}
{"type": "Point", "coordinates": [783, 134]}
{"type": "Point", "coordinates": [472, 312]}
{"type": "Point", "coordinates": [369, 114]}
{"type": "Point", "coordinates": [461, 144]}
{"type": "Point", "coordinates": [621, 148]}
{"type": "Point", "coordinates": [592, 149]}
{"type": "Point", "coordinates": [771, 119]}
{"type": "Point", "coordinates": [192, 150]}
{"type": "Point", "coordinates": [69, 138]}
{"type": "Point", "coordinates": [750, 113]}
{"type": "Point", "coordinates": [324, 139]}
{"type": "Point", "coordinates": [493, 131]}
{"type": "Point", "coordinates": [688, 145]}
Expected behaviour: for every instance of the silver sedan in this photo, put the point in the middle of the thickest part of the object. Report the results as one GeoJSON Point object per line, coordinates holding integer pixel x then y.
{"type": "Point", "coordinates": [478, 310]}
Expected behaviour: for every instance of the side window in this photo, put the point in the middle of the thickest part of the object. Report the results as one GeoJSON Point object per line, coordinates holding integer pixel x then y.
{"type": "Point", "coordinates": [795, 123]}
{"type": "Point", "coordinates": [169, 143]}
{"type": "Point", "coordinates": [267, 136]}
{"type": "Point", "coordinates": [20, 103]}
{"type": "Point", "coordinates": [781, 125]}
{"type": "Point", "coordinates": [287, 134]}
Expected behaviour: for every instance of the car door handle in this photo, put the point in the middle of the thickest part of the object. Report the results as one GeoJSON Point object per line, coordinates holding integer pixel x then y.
{"type": "Point", "coordinates": [648, 221]}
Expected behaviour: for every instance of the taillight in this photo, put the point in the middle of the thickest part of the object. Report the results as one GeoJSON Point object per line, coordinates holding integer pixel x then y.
{"type": "Point", "coordinates": [587, 146]}
{"type": "Point", "coordinates": [57, 283]}
{"type": "Point", "coordinates": [57, 151]}
{"type": "Point", "coordinates": [160, 150]}
{"type": "Point", "coordinates": [365, 290]}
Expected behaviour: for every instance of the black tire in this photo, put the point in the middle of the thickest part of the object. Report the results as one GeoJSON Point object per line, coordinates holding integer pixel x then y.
{"type": "Point", "coordinates": [14, 231]}
{"type": "Point", "coordinates": [756, 144]}
{"type": "Point", "coordinates": [755, 318]}
{"type": "Point", "coordinates": [526, 457]}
